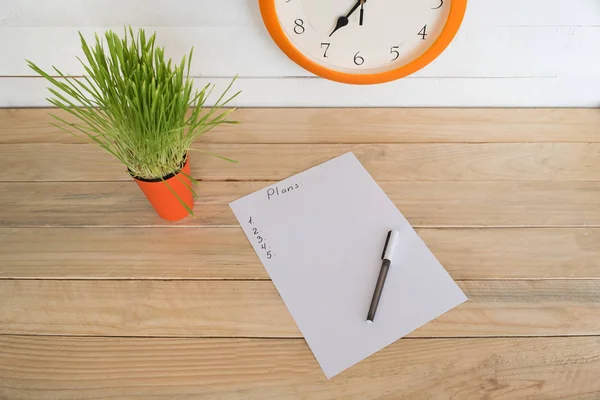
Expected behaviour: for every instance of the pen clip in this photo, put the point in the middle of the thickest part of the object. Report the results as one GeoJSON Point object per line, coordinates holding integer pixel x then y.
{"type": "Point", "coordinates": [387, 241]}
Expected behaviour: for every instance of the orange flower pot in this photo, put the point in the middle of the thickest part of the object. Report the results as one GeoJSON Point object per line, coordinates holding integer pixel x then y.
{"type": "Point", "coordinates": [162, 197]}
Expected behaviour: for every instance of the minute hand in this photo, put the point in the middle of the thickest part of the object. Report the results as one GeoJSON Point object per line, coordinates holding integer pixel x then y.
{"type": "Point", "coordinates": [358, 3]}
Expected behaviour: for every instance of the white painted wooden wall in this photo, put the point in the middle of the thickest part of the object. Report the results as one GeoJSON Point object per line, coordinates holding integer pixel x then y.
{"type": "Point", "coordinates": [508, 53]}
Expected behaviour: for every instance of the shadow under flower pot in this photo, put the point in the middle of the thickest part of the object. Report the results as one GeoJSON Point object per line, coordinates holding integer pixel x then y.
{"type": "Point", "coordinates": [169, 194]}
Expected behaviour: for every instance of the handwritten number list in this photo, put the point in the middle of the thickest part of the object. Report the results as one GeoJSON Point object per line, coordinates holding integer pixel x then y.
{"type": "Point", "coordinates": [261, 240]}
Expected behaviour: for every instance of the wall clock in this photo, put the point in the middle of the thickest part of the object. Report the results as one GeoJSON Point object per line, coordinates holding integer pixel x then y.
{"type": "Point", "coordinates": [362, 41]}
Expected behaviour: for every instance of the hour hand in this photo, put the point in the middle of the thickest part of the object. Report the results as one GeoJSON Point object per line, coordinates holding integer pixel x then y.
{"type": "Point", "coordinates": [341, 22]}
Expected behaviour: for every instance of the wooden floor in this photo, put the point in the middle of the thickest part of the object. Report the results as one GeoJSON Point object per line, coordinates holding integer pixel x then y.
{"type": "Point", "coordinates": [100, 299]}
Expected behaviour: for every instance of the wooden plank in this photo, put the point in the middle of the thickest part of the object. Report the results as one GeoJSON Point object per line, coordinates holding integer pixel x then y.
{"type": "Point", "coordinates": [44, 368]}
{"type": "Point", "coordinates": [516, 253]}
{"type": "Point", "coordinates": [425, 204]}
{"type": "Point", "coordinates": [254, 309]}
{"type": "Point", "coordinates": [397, 162]}
{"type": "Point", "coordinates": [370, 125]}
{"type": "Point", "coordinates": [223, 253]}
{"type": "Point", "coordinates": [128, 253]}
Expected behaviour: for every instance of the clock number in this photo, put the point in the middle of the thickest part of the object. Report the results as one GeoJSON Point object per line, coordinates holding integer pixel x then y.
{"type": "Point", "coordinates": [394, 50]}
{"type": "Point", "coordinates": [358, 60]}
{"type": "Point", "coordinates": [269, 255]}
{"type": "Point", "coordinates": [326, 48]}
{"type": "Point", "coordinates": [423, 32]}
{"type": "Point", "coordinates": [299, 28]}
{"type": "Point", "coordinates": [441, 4]}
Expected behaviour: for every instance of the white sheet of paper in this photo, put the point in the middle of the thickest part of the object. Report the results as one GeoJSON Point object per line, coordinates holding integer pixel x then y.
{"type": "Point", "coordinates": [320, 235]}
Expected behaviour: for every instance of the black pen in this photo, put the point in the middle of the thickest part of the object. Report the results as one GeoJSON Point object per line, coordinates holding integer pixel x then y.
{"type": "Point", "coordinates": [386, 256]}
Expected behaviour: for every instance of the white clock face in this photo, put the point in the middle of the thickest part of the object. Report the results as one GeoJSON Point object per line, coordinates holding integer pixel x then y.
{"type": "Point", "coordinates": [390, 34]}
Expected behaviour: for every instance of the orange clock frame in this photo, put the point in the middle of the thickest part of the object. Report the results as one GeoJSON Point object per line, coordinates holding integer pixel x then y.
{"type": "Point", "coordinates": [453, 23]}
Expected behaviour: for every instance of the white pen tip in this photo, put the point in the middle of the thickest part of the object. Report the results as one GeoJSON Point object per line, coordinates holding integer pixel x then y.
{"type": "Point", "coordinates": [369, 322]}
{"type": "Point", "coordinates": [391, 245]}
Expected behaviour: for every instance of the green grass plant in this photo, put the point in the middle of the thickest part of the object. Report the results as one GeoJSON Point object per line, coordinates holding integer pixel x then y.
{"type": "Point", "coordinates": [135, 104]}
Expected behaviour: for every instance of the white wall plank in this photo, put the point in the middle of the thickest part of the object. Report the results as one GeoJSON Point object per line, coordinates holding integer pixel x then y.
{"type": "Point", "coordinates": [408, 92]}
{"type": "Point", "coordinates": [218, 51]}
{"type": "Point", "coordinates": [90, 13]}
{"type": "Point", "coordinates": [227, 51]}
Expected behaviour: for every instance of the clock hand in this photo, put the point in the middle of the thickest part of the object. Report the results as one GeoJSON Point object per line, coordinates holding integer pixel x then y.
{"type": "Point", "coordinates": [358, 3]}
{"type": "Point", "coordinates": [362, 11]}
{"type": "Point", "coordinates": [343, 20]}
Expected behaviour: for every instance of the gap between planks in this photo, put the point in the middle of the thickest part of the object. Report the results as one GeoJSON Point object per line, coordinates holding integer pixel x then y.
{"type": "Point", "coordinates": [415, 226]}
{"type": "Point", "coordinates": [267, 338]}
{"type": "Point", "coordinates": [152, 279]}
